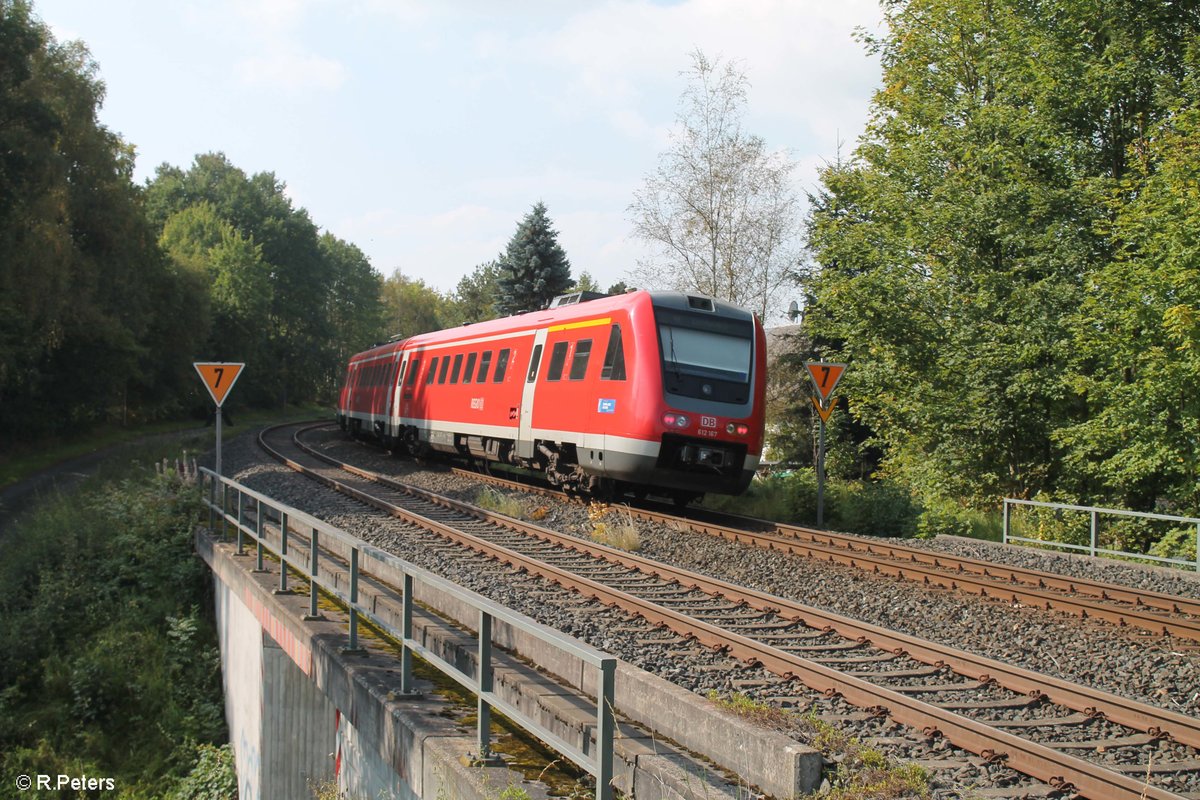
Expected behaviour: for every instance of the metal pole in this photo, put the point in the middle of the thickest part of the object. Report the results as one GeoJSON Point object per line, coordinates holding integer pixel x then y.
{"type": "Point", "coordinates": [353, 598]}
{"type": "Point", "coordinates": [258, 534]}
{"type": "Point", "coordinates": [283, 553]}
{"type": "Point", "coordinates": [485, 685]}
{"type": "Point", "coordinates": [1004, 537]}
{"type": "Point", "coordinates": [218, 470]}
{"type": "Point", "coordinates": [1094, 533]}
{"type": "Point", "coordinates": [606, 726]}
{"type": "Point", "coordinates": [821, 477]}
{"type": "Point", "coordinates": [241, 504]}
{"type": "Point", "coordinates": [406, 631]}
{"type": "Point", "coordinates": [312, 572]}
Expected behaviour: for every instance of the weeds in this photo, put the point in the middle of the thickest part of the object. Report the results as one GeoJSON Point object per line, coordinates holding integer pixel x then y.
{"type": "Point", "coordinates": [500, 503]}
{"type": "Point", "coordinates": [859, 771]}
{"type": "Point", "coordinates": [620, 532]}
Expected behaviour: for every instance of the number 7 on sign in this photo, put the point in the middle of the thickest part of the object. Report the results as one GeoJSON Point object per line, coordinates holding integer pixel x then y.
{"type": "Point", "coordinates": [825, 376]}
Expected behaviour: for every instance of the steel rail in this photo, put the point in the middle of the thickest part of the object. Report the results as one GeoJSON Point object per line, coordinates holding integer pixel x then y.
{"type": "Point", "coordinates": [1044, 763]}
{"type": "Point", "coordinates": [965, 575]}
{"type": "Point", "coordinates": [1143, 717]}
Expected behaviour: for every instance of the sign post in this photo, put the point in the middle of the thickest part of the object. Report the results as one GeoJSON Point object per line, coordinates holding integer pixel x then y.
{"type": "Point", "coordinates": [825, 377]}
{"type": "Point", "coordinates": [219, 377]}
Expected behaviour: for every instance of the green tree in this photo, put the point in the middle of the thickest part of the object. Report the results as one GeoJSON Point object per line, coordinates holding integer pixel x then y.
{"type": "Point", "coordinates": [955, 247]}
{"type": "Point", "coordinates": [239, 291]}
{"type": "Point", "coordinates": [297, 354]}
{"type": "Point", "coordinates": [533, 268]}
{"type": "Point", "coordinates": [720, 209]}
{"type": "Point", "coordinates": [475, 296]}
{"type": "Point", "coordinates": [82, 284]}
{"type": "Point", "coordinates": [411, 307]}
{"type": "Point", "coordinates": [585, 283]}
{"type": "Point", "coordinates": [1137, 334]}
{"type": "Point", "coordinates": [355, 298]}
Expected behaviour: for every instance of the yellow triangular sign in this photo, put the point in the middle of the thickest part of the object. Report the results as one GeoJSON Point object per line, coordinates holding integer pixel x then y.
{"type": "Point", "coordinates": [824, 412]}
{"type": "Point", "coordinates": [825, 376]}
{"type": "Point", "coordinates": [218, 377]}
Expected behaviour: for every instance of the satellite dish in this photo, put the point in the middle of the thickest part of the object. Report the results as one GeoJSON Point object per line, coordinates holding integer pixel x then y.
{"type": "Point", "coordinates": [793, 311]}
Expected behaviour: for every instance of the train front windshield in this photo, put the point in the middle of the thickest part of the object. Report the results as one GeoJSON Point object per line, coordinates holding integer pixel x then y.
{"type": "Point", "coordinates": [712, 362]}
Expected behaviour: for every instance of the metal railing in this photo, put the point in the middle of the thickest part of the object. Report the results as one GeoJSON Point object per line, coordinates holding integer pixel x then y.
{"type": "Point", "coordinates": [1093, 547]}
{"type": "Point", "coordinates": [599, 765]}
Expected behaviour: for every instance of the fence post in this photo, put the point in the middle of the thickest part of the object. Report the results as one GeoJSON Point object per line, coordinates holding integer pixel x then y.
{"type": "Point", "coordinates": [1095, 534]}
{"type": "Point", "coordinates": [606, 726]}
{"type": "Point", "coordinates": [406, 631]}
{"type": "Point", "coordinates": [224, 510]}
{"type": "Point", "coordinates": [314, 546]}
{"type": "Point", "coordinates": [484, 708]}
{"type": "Point", "coordinates": [283, 553]}
{"type": "Point", "coordinates": [1004, 538]}
{"type": "Point", "coordinates": [241, 503]}
{"type": "Point", "coordinates": [258, 534]}
{"type": "Point", "coordinates": [353, 648]}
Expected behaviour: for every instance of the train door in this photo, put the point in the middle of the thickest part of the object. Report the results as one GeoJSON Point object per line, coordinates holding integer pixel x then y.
{"type": "Point", "coordinates": [397, 389]}
{"type": "Point", "coordinates": [525, 432]}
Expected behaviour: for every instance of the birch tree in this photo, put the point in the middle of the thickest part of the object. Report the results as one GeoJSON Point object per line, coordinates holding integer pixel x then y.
{"type": "Point", "coordinates": [720, 211]}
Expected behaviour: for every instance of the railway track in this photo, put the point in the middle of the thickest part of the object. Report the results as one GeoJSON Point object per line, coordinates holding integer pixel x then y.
{"type": "Point", "coordinates": [1158, 613]}
{"type": "Point", "coordinates": [1071, 737]}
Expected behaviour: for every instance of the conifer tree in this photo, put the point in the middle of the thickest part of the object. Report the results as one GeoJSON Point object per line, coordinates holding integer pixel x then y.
{"type": "Point", "coordinates": [533, 268]}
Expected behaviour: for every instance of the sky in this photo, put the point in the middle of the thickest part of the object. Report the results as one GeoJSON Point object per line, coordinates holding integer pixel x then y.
{"type": "Point", "coordinates": [423, 131]}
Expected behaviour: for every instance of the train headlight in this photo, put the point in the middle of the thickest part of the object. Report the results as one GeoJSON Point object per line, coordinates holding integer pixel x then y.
{"type": "Point", "coordinates": [672, 420]}
{"type": "Point", "coordinates": [739, 428]}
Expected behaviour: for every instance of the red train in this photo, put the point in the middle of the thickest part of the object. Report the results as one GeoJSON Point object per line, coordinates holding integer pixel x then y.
{"type": "Point", "coordinates": [645, 393]}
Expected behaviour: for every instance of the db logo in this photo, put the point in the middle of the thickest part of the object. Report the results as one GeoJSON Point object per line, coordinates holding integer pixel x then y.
{"type": "Point", "coordinates": [708, 422]}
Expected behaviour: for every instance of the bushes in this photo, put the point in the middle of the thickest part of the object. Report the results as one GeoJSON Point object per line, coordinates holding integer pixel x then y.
{"type": "Point", "coordinates": [108, 657]}
{"type": "Point", "coordinates": [880, 508]}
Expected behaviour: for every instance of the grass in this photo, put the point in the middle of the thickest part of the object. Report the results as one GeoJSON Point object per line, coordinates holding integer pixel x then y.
{"type": "Point", "coordinates": [500, 502]}
{"type": "Point", "coordinates": [620, 532]}
{"type": "Point", "coordinates": [105, 624]}
{"type": "Point", "coordinates": [860, 771]}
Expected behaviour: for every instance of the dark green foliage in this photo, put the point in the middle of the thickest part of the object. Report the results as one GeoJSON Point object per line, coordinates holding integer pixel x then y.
{"type": "Point", "coordinates": [475, 295]}
{"type": "Point", "coordinates": [108, 656]}
{"type": "Point", "coordinates": [1006, 261]}
{"type": "Point", "coordinates": [213, 777]}
{"type": "Point", "coordinates": [873, 508]}
{"type": "Point", "coordinates": [83, 289]}
{"type": "Point", "coordinates": [287, 301]}
{"type": "Point", "coordinates": [533, 268]}
{"type": "Point", "coordinates": [108, 293]}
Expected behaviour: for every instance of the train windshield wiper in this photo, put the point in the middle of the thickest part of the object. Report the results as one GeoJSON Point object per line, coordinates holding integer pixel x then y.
{"type": "Point", "coordinates": [674, 361]}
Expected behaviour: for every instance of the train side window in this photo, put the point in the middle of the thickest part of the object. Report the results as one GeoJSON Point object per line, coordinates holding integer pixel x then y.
{"type": "Point", "coordinates": [485, 361]}
{"type": "Point", "coordinates": [501, 366]}
{"type": "Point", "coordinates": [445, 368]}
{"type": "Point", "coordinates": [579, 361]}
{"type": "Point", "coordinates": [454, 373]}
{"type": "Point", "coordinates": [558, 357]}
{"type": "Point", "coordinates": [414, 367]}
{"type": "Point", "coordinates": [614, 357]}
{"type": "Point", "coordinates": [433, 365]}
{"type": "Point", "coordinates": [534, 361]}
{"type": "Point", "coordinates": [400, 375]}
{"type": "Point", "coordinates": [469, 372]}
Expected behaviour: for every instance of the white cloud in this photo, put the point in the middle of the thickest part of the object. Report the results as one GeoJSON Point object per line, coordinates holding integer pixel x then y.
{"type": "Point", "coordinates": [271, 30]}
